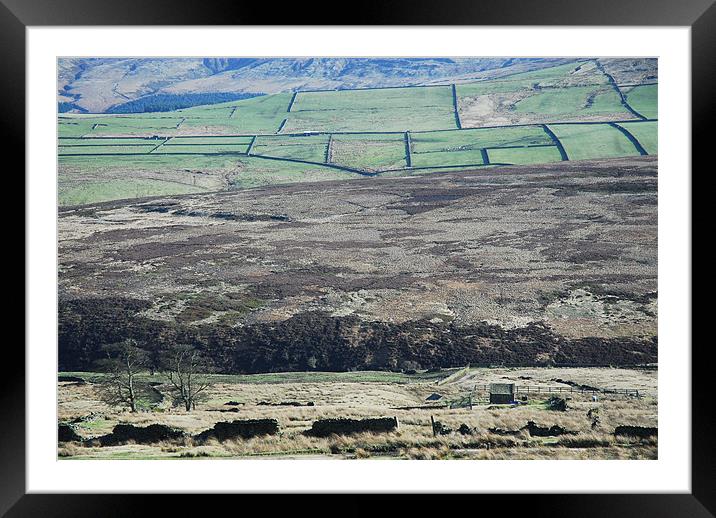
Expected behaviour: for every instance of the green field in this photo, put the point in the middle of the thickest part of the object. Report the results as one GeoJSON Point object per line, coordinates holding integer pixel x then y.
{"type": "Point", "coordinates": [311, 148]}
{"type": "Point", "coordinates": [535, 80]}
{"type": "Point", "coordinates": [255, 171]}
{"type": "Point", "coordinates": [202, 149]}
{"type": "Point", "coordinates": [105, 150]}
{"type": "Point", "coordinates": [524, 155]}
{"type": "Point", "coordinates": [366, 130]}
{"type": "Point", "coordinates": [583, 72]}
{"type": "Point", "coordinates": [90, 142]}
{"type": "Point", "coordinates": [146, 162]}
{"type": "Point", "coordinates": [369, 152]}
{"type": "Point", "coordinates": [131, 125]}
{"type": "Point", "coordinates": [211, 140]}
{"type": "Point", "coordinates": [450, 158]}
{"type": "Point", "coordinates": [644, 100]}
{"type": "Point", "coordinates": [385, 109]}
{"type": "Point", "coordinates": [580, 100]}
{"type": "Point", "coordinates": [117, 189]}
{"type": "Point", "coordinates": [585, 141]}
{"type": "Point", "coordinates": [464, 147]}
{"type": "Point", "coordinates": [73, 126]}
{"type": "Point", "coordinates": [446, 141]}
{"type": "Point", "coordinates": [256, 115]}
{"type": "Point", "coordinates": [579, 91]}
{"type": "Point", "coordinates": [248, 116]}
{"type": "Point", "coordinates": [646, 133]}
{"type": "Point", "coordinates": [365, 120]}
{"type": "Point", "coordinates": [387, 99]}
{"type": "Point", "coordinates": [558, 72]}
{"type": "Point", "coordinates": [493, 87]}
{"type": "Point", "coordinates": [91, 179]}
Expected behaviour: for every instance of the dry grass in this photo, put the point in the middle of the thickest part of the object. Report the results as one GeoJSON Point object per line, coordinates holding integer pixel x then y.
{"type": "Point", "coordinates": [413, 439]}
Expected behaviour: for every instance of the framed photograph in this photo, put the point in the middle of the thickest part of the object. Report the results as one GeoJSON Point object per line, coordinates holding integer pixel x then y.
{"type": "Point", "coordinates": [431, 251]}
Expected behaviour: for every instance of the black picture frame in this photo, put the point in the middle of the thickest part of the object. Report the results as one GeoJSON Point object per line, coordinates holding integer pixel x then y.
{"type": "Point", "coordinates": [700, 15]}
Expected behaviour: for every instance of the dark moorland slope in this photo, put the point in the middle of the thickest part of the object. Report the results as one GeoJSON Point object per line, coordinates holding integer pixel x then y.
{"type": "Point", "coordinates": [535, 265]}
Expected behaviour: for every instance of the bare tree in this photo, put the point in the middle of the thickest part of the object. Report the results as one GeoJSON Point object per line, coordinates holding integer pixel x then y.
{"type": "Point", "coordinates": [119, 387]}
{"type": "Point", "coordinates": [186, 369]}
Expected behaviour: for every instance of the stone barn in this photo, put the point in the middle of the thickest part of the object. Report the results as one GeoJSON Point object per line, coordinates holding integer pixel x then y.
{"type": "Point", "coordinates": [502, 393]}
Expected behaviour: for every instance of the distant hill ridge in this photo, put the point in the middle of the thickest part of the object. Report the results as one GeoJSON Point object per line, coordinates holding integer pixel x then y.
{"type": "Point", "coordinates": [99, 85]}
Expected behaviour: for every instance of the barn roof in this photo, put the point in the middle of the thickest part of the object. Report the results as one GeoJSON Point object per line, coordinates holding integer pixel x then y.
{"type": "Point", "coordinates": [502, 388]}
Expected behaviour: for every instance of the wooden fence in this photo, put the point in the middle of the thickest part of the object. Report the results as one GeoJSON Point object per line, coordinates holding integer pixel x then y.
{"type": "Point", "coordinates": [538, 389]}
{"type": "Point", "coordinates": [480, 395]}
{"type": "Point", "coordinates": [589, 390]}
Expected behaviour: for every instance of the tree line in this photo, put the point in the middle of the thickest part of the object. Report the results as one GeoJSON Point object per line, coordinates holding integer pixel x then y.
{"type": "Point", "coordinates": [170, 102]}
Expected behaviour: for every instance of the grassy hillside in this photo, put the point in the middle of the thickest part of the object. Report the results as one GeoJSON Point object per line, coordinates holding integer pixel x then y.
{"type": "Point", "coordinates": [571, 111]}
{"type": "Point", "coordinates": [586, 141]}
{"type": "Point", "coordinates": [644, 100]}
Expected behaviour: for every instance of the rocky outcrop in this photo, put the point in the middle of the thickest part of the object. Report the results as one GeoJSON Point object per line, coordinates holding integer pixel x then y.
{"type": "Point", "coordinates": [153, 433]}
{"type": "Point", "coordinates": [541, 431]}
{"type": "Point", "coordinates": [643, 432]}
{"type": "Point", "coordinates": [240, 429]}
{"type": "Point", "coordinates": [66, 433]}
